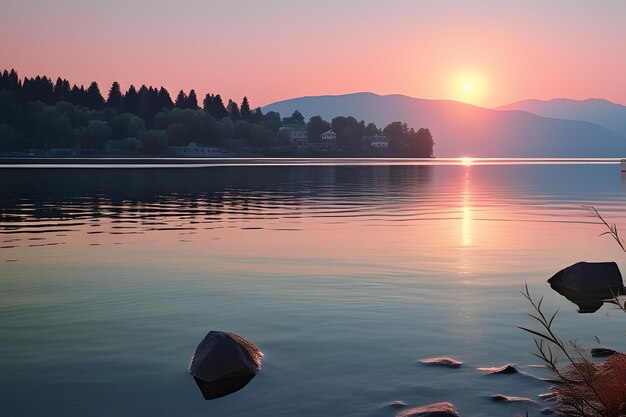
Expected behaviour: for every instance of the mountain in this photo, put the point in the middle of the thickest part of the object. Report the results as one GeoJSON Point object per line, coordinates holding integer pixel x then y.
{"type": "Point", "coordinates": [599, 111]}
{"type": "Point", "coordinates": [464, 130]}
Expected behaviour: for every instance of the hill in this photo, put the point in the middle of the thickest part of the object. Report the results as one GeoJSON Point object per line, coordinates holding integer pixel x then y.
{"type": "Point", "coordinates": [599, 111]}
{"type": "Point", "coordinates": [461, 129]}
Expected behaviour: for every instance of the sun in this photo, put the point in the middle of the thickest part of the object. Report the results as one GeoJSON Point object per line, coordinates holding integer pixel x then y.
{"type": "Point", "coordinates": [468, 87]}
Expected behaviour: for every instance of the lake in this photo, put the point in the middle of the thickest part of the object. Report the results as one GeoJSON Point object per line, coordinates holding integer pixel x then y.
{"type": "Point", "coordinates": [343, 274]}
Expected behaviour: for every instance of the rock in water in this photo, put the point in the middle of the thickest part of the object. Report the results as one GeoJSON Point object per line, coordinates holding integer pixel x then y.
{"type": "Point", "coordinates": [431, 410]}
{"type": "Point", "coordinates": [499, 398]}
{"type": "Point", "coordinates": [443, 361]}
{"type": "Point", "coordinates": [224, 363]}
{"type": "Point", "coordinates": [588, 284]}
{"type": "Point", "coordinates": [601, 352]}
{"type": "Point", "coordinates": [506, 369]}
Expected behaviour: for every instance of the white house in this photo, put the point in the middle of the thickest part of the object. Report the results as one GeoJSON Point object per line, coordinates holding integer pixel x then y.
{"type": "Point", "coordinates": [329, 138]}
{"type": "Point", "coordinates": [299, 136]}
{"type": "Point", "coordinates": [379, 142]}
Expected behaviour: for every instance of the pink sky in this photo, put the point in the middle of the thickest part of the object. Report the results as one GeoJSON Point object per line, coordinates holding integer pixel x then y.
{"type": "Point", "coordinates": [278, 49]}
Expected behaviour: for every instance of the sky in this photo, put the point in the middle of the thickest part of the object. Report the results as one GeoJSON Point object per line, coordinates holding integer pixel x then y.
{"type": "Point", "coordinates": [487, 52]}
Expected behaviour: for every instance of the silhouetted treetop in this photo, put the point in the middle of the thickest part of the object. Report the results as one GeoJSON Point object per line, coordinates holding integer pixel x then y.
{"type": "Point", "coordinates": [95, 99]}
{"type": "Point", "coordinates": [181, 100]}
{"type": "Point", "coordinates": [245, 109]}
{"type": "Point", "coordinates": [233, 110]}
{"type": "Point", "coordinates": [192, 100]}
{"type": "Point", "coordinates": [37, 113]}
{"type": "Point", "coordinates": [115, 96]}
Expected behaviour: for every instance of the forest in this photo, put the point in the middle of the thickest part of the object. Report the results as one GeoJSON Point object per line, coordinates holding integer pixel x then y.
{"type": "Point", "coordinates": [39, 116]}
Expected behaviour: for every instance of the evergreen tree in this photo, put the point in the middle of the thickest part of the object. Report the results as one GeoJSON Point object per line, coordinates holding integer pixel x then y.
{"type": "Point", "coordinates": [181, 100]}
{"type": "Point", "coordinates": [213, 105]}
{"type": "Point", "coordinates": [233, 110]}
{"type": "Point", "coordinates": [245, 109]}
{"type": "Point", "coordinates": [114, 99]}
{"type": "Point", "coordinates": [94, 98]}
{"type": "Point", "coordinates": [14, 81]}
{"type": "Point", "coordinates": [207, 104]}
{"type": "Point", "coordinates": [192, 100]}
{"type": "Point", "coordinates": [61, 90]}
{"type": "Point", "coordinates": [130, 103]}
{"type": "Point", "coordinates": [165, 101]}
{"type": "Point", "coordinates": [4, 80]}
{"type": "Point", "coordinates": [46, 90]}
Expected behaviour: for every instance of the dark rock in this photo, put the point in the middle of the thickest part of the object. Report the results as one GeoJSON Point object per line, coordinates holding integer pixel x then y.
{"type": "Point", "coordinates": [397, 404]}
{"type": "Point", "coordinates": [588, 284]}
{"type": "Point", "coordinates": [443, 361]}
{"type": "Point", "coordinates": [602, 352]}
{"type": "Point", "coordinates": [509, 399]}
{"type": "Point", "coordinates": [431, 410]}
{"type": "Point", "coordinates": [506, 369]}
{"type": "Point", "coordinates": [224, 363]}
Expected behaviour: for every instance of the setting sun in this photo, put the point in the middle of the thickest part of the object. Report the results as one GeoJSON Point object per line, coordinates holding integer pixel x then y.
{"type": "Point", "coordinates": [468, 87]}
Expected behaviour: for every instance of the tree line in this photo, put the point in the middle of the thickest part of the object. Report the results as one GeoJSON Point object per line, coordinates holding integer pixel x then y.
{"type": "Point", "coordinates": [41, 114]}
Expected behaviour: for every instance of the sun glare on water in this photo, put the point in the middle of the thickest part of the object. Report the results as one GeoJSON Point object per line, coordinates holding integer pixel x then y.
{"type": "Point", "coordinates": [467, 161]}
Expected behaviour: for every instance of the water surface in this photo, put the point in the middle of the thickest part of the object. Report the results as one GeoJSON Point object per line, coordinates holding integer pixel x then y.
{"type": "Point", "coordinates": [343, 275]}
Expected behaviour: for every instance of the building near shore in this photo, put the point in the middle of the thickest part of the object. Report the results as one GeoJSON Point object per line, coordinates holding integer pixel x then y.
{"type": "Point", "coordinates": [328, 139]}
{"type": "Point", "coordinates": [193, 149]}
{"type": "Point", "coordinates": [376, 141]}
{"type": "Point", "coordinates": [299, 136]}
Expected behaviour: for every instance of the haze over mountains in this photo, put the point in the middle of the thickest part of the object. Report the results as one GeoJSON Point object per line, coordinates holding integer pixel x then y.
{"type": "Point", "coordinates": [559, 128]}
{"type": "Point", "coordinates": [599, 111]}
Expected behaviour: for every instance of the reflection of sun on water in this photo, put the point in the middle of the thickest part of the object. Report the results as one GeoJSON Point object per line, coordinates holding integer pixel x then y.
{"type": "Point", "coordinates": [467, 161]}
{"type": "Point", "coordinates": [466, 225]}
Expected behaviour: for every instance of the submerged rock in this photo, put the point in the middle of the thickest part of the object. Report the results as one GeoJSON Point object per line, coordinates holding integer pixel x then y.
{"type": "Point", "coordinates": [443, 361]}
{"type": "Point", "coordinates": [602, 352]}
{"type": "Point", "coordinates": [224, 363]}
{"type": "Point", "coordinates": [588, 284]}
{"type": "Point", "coordinates": [510, 399]}
{"type": "Point", "coordinates": [397, 404]}
{"type": "Point", "coordinates": [430, 410]}
{"type": "Point", "coordinates": [506, 369]}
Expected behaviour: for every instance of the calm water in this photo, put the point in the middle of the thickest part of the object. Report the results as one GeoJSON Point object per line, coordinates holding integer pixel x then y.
{"type": "Point", "coordinates": [343, 275]}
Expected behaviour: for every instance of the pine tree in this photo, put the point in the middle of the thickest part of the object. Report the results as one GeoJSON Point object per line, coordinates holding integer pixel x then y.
{"type": "Point", "coordinates": [218, 108]}
{"type": "Point", "coordinates": [114, 100]}
{"type": "Point", "coordinates": [94, 98]}
{"type": "Point", "coordinates": [165, 101]}
{"type": "Point", "coordinates": [181, 100]}
{"type": "Point", "coordinates": [14, 81]}
{"type": "Point", "coordinates": [207, 104]}
{"type": "Point", "coordinates": [233, 111]}
{"type": "Point", "coordinates": [61, 90]}
{"type": "Point", "coordinates": [130, 102]}
{"type": "Point", "coordinates": [192, 100]}
{"type": "Point", "coordinates": [245, 109]}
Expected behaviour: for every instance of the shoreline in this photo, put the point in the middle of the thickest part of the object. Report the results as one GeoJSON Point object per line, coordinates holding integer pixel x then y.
{"type": "Point", "coordinates": [192, 162]}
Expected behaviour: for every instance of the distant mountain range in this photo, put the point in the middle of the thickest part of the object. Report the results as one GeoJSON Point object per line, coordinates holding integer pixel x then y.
{"type": "Point", "coordinates": [599, 111]}
{"type": "Point", "coordinates": [558, 128]}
